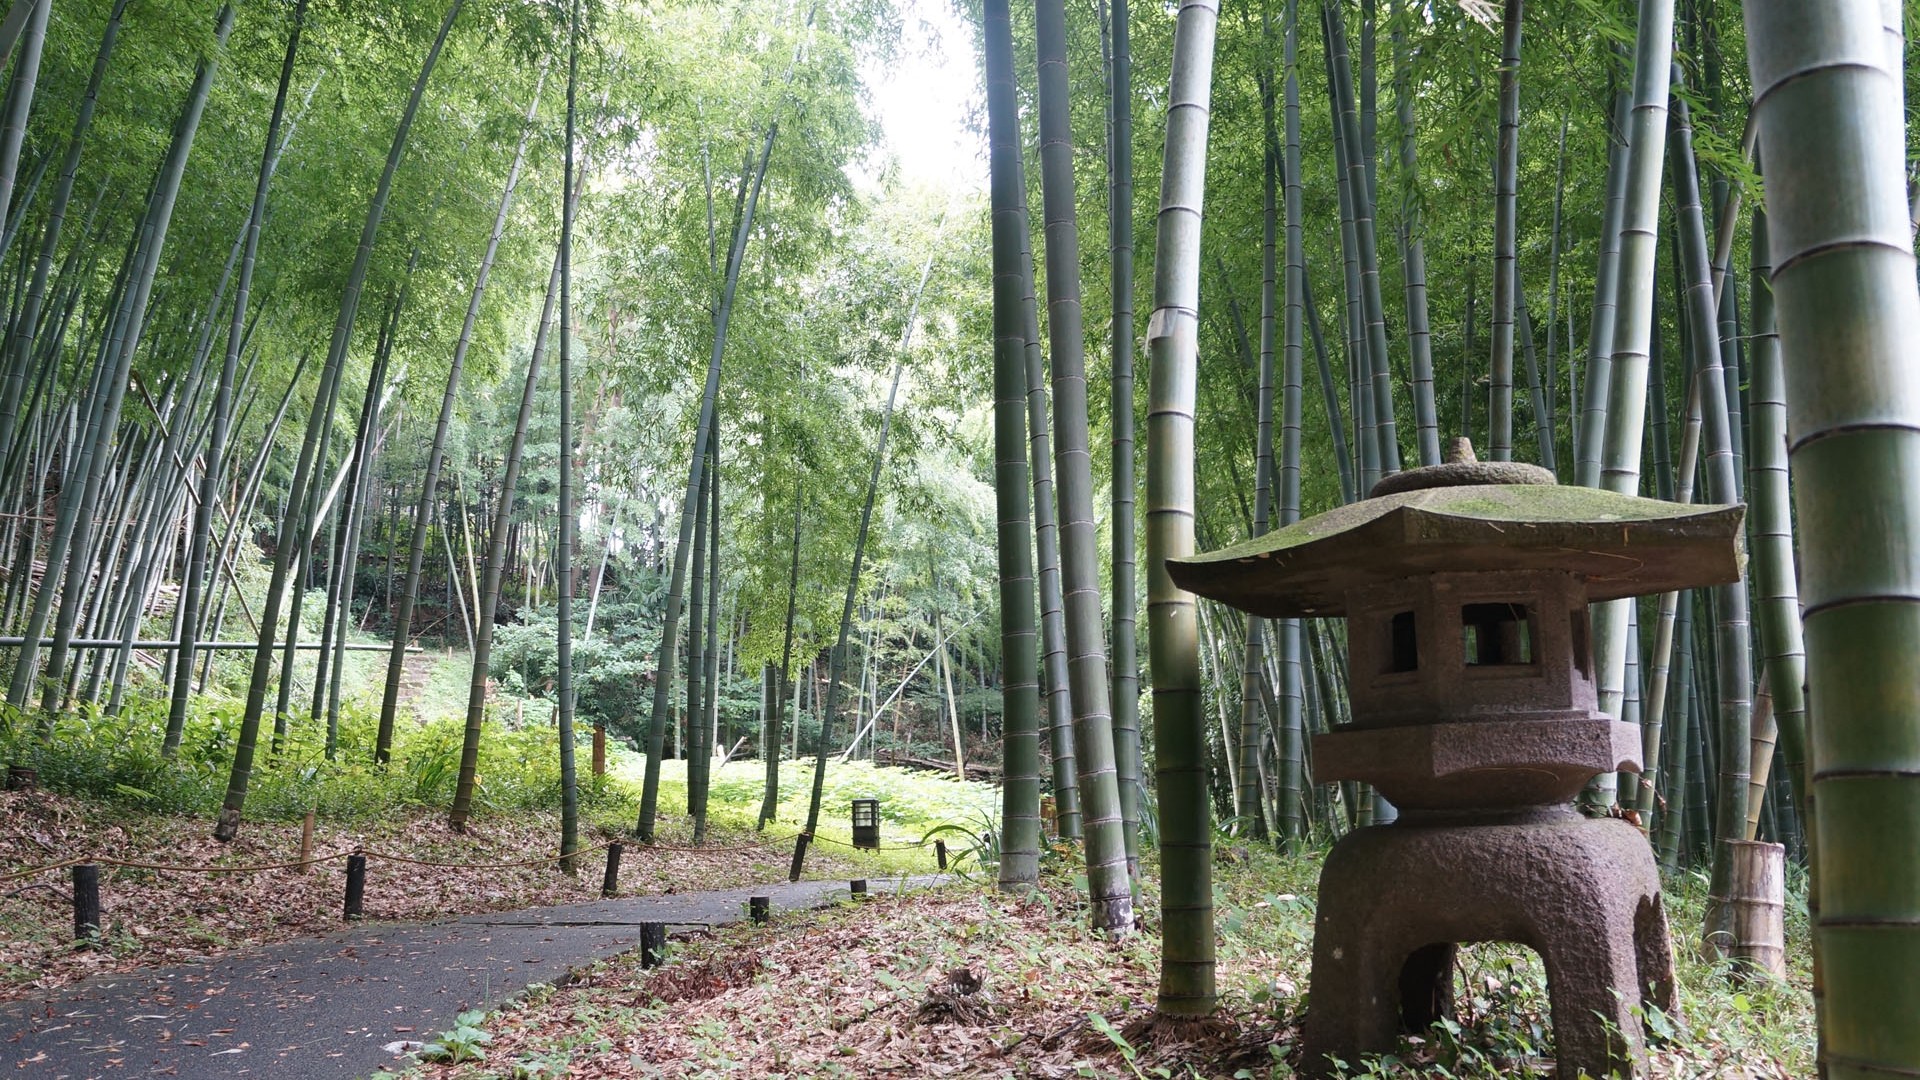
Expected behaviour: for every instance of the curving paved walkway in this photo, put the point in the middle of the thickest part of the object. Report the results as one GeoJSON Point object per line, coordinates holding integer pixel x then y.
{"type": "Point", "coordinates": [335, 1006]}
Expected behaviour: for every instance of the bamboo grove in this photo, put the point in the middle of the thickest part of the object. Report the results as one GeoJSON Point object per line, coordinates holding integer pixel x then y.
{"type": "Point", "coordinates": [604, 343]}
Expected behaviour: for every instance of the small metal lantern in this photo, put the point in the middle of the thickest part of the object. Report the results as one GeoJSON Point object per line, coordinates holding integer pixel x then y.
{"type": "Point", "coordinates": [866, 823]}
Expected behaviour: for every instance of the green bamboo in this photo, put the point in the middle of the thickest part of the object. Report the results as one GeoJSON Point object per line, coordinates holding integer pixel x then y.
{"type": "Point", "coordinates": [82, 492]}
{"type": "Point", "coordinates": [294, 525]}
{"type": "Point", "coordinates": [1828, 97]}
{"type": "Point", "coordinates": [1020, 688]}
{"type": "Point", "coordinates": [663, 674]}
{"type": "Point", "coordinates": [430, 482]}
{"type": "Point", "coordinates": [1126, 644]}
{"type": "Point", "coordinates": [770, 741]}
{"type": "Point", "coordinates": [1413, 249]}
{"type": "Point", "coordinates": [13, 126]}
{"type": "Point", "coordinates": [1293, 786]}
{"type": "Point", "coordinates": [1377, 375]}
{"type": "Point", "coordinates": [1591, 415]}
{"type": "Point", "coordinates": [494, 567]}
{"type": "Point", "coordinates": [568, 510]}
{"type": "Point", "coordinates": [1187, 987]}
{"type": "Point", "coordinates": [1109, 887]}
{"type": "Point", "coordinates": [1733, 658]}
{"type": "Point", "coordinates": [1055, 696]}
{"type": "Point", "coordinates": [1776, 584]}
{"type": "Point", "coordinates": [1506, 204]}
{"type": "Point", "coordinates": [1625, 377]}
{"type": "Point", "coordinates": [1251, 801]}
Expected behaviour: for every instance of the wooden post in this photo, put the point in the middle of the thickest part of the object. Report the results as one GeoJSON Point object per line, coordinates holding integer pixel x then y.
{"type": "Point", "coordinates": [610, 883]}
{"type": "Point", "coordinates": [759, 908]}
{"type": "Point", "coordinates": [799, 856]}
{"type": "Point", "coordinates": [859, 886]}
{"type": "Point", "coordinates": [86, 902]}
{"type": "Point", "coordinates": [653, 943]}
{"type": "Point", "coordinates": [356, 884]}
{"type": "Point", "coordinates": [599, 750]}
{"type": "Point", "coordinates": [940, 852]}
{"type": "Point", "coordinates": [1757, 910]}
{"type": "Point", "coordinates": [306, 844]}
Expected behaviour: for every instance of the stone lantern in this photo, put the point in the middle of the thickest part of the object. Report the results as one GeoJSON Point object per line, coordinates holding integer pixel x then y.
{"type": "Point", "coordinates": [1465, 588]}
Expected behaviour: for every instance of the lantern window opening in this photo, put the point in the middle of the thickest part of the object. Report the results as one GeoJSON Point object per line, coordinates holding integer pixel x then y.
{"type": "Point", "coordinates": [1497, 635]}
{"type": "Point", "coordinates": [1402, 653]}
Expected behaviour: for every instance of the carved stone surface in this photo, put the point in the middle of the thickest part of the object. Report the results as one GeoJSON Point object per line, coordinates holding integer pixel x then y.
{"type": "Point", "coordinates": [1491, 766]}
{"type": "Point", "coordinates": [1394, 901]}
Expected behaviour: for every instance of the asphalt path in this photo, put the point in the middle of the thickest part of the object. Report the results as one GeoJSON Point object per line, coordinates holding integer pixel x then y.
{"type": "Point", "coordinates": [343, 1005]}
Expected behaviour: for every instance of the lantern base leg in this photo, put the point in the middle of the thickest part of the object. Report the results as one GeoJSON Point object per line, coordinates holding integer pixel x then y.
{"type": "Point", "coordinates": [1395, 900]}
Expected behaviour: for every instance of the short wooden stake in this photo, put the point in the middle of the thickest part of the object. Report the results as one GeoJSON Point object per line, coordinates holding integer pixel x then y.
{"type": "Point", "coordinates": [940, 852]}
{"type": "Point", "coordinates": [86, 902]}
{"type": "Point", "coordinates": [610, 882]}
{"type": "Point", "coordinates": [306, 844]}
{"type": "Point", "coordinates": [799, 856]}
{"type": "Point", "coordinates": [859, 886]}
{"type": "Point", "coordinates": [356, 884]}
{"type": "Point", "coordinates": [759, 908]}
{"type": "Point", "coordinates": [653, 943]}
{"type": "Point", "coordinates": [1757, 910]}
{"type": "Point", "coordinates": [599, 750]}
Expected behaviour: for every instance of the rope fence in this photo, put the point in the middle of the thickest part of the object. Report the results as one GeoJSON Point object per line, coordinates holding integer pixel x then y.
{"type": "Point", "coordinates": [86, 869]}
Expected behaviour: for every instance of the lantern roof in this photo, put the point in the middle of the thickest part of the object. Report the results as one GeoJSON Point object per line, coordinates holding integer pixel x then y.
{"type": "Point", "coordinates": [1621, 545]}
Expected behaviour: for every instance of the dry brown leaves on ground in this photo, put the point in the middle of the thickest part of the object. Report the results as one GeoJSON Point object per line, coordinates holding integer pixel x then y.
{"type": "Point", "coordinates": [943, 984]}
{"type": "Point", "coordinates": [159, 917]}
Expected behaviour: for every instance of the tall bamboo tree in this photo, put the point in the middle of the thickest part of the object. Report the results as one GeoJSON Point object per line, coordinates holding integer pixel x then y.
{"type": "Point", "coordinates": [1776, 584]}
{"type": "Point", "coordinates": [1020, 688]}
{"type": "Point", "coordinates": [1626, 383]}
{"type": "Point", "coordinates": [1109, 887]}
{"type": "Point", "coordinates": [696, 471]}
{"type": "Point", "coordinates": [1187, 987]}
{"type": "Point", "coordinates": [569, 514]}
{"type": "Point", "coordinates": [1733, 657]}
{"type": "Point", "coordinates": [1126, 644]}
{"type": "Point", "coordinates": [1828, 104]}
{"type": "Point", "coordinates": [211, 476]}
{"type": "Point", "coordinates": [294, 524]}
{"type": "Point", "coordinates": [1506, 203]}
{"type": "Point", "coordinates": [436, 458]}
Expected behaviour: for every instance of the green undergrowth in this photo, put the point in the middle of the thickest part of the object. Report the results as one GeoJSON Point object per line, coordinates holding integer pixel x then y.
{"type": "Point", "coordinates": [916, 807]}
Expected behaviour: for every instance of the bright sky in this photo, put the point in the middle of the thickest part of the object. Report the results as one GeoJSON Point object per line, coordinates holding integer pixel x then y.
{"type": "Point", "coordinates": [924, 98]}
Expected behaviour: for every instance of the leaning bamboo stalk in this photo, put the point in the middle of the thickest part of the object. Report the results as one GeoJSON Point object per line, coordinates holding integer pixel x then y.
{"type": "Point", "coordinates": [436, 458]}
{"type": "Point", "coordinates": [1733, 657]}
{"type": "Point", "coordinates": [229, 824]}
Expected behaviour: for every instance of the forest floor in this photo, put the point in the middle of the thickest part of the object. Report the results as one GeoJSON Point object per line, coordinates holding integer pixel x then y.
{"type": "Point", "coordinates": [966, 982]}
{"type": "Point", "coordinates": [344, 1004]}
{"type": "Point", "coordinates": [153, 917]}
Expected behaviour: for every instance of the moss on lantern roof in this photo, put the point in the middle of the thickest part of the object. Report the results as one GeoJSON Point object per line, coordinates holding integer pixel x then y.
{"type": "Point", "coordinates": [1621, 545]}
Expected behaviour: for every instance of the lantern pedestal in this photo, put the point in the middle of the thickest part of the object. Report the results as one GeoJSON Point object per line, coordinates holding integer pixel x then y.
{"type": "Point", "coordinates": [1395, 900]}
